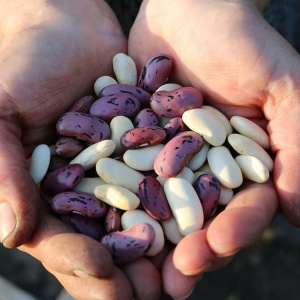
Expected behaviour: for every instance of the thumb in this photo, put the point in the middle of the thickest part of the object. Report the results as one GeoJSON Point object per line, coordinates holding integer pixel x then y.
{"type": "Point", "coordinates": [19, 197]}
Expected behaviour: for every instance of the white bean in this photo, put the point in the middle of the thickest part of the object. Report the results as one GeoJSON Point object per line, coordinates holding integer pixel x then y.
{"type": "Point", "coordinates": [251, 130]}
{"type": "Point", "coordinates": [103, 82]}
{"type": "Point", "coordinates": [125, 69]}
{"type": "Point", "coordinates": [206, 124]}
{"type": "Point", "coordinates": [117, 196]}
{"type": "Point", "coordinates": [116, 172]}
{"type": "Point", "coordinates": [243, 145]}
{"type": "Point", "coordinates": [171, 230]}
{"type": "Point", "coordinates": [142, 159]}
{"type": "Point", "coordinates": [119, 125]}
{"type": "Point", "coordinates": [205, 168]}
{"type": "Point", "coordinates": [169, 87]}
{"type": "Point", "coordinates": [88, 184]}
{"type": "Point", "coordinates": [39, 162]}
{"type": "Point", "coordinates": [224, 167]}
{"type": "Point", "coordinates": [252, 168]}
{"type": "Point", "coordinates": [185, 205]}
{"type": "Point", "coordinates": [220, 116]}
{"type": "Point", "coordinates": [199, 158]}
{"type": "Point", "coordinates": [186, 173]}
{"type": "Point", "coordinates": [225, 196]}
{"type": "Point", "coordinates": [90, 155]}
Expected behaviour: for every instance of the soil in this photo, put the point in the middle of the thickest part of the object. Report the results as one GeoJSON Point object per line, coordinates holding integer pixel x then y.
{"type": "Point", "coordinates": [268, 270]}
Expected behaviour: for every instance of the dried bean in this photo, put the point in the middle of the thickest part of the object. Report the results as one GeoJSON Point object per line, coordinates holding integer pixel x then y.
{"type": "Point", "coordinates": [146, 117]}
{"type": "Point", "coordinates": [155, 73]}
{"type": "Point", "coordinates": [93, 228]}
{"type": "Point", "coordinates": [208, 190]}
{"type": "Point", "coordinates": [83, 126]}
{"type": "Point", "coordinates": [174, 103]}
{"type": "Point", "coordinates": [174, 156]}
{"type": "Point", "coordinates": [153, 198]}
{"type": "Point", "coordinates": [82, 105]}
{"type": "Point", "coordinates": [129, 90]}
{"type": "Point", "coordinates": [108, 107]}
{"type": "Point", "coordinates": [68, 147]}
{"type": "Point", "coordinates": [142, 137]}
{"type": "Point", "coordinates": [131, 244]}
{"type": "Point", "coordinates": [83, 203]}
{"type": "Point", "coordinates": [62, 179]}
{"type": "Point", "coordinates": [113, 220]}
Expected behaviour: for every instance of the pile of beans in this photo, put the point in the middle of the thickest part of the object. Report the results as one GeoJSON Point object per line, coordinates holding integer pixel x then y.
{"type": "Point", "coordinates": [146, 160]}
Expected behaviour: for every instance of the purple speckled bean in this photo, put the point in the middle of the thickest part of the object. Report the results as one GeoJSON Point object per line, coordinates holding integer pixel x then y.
{"type": "Point", "coordinates": [57, 162]}
{"type": "Point", "coordinates": [68, 147]}
{"type": "Point", "coordinates": [174, 103]}
{"type": "Point", "coordinates": [108, 107]}
{"type": "Point", "coordinates": [142, 137]}
{"type": "Point", "coordinates": [113, 220]}
{"type": "Point", "coordinates": [208, 190]}
{"type": "Point", "coordinates": [82, 105]}
{"type": "Point", "coordinates": [83, 203]}
{"type": "Point", "coordinates": [172, 158]}
{"type": "Point", "coordinates": [62, 179]}
{"type": "Point", "coordinates": [91, 227]}
{"type": "Point", "coordinates": [173, 127]}
{"type": "Point", "coordinates": [153, 198]}
{"type": "Point", "coordinates": [155, 73]}
{"type": "Point", "coordinates": [146, 117]}
{"type": "Point", "coordinates": [129, 90]}
{"type": "Point", "coordinates": [131, 244]}
{"type": "Point", "coordinates": [83, 126]}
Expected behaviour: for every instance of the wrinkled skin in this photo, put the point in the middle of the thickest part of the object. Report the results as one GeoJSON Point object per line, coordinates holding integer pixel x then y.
{"type": "Point", "coordinates": [243, 67]}
{"type": "Point", "coordinates": [50, 55]}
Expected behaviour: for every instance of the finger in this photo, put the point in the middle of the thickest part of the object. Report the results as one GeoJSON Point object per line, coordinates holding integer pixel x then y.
{"type": "Point", "coordinates": [287, 178]}
{"type": "Point", "coordinates": [67, 252]}
{"type": "Point", "coordinates": [175, 283]}
{"type": "Point", "coordinates": [19, 197]}
{"type": "Point", "coordinates": [284, 129]}
{"type": "Point", "coordinates": [115, 287]}
{"type": "Point", "coordinates": [243, 220]}
{"type": "Point", "coordinates": [193, 255]}
{"type": "Point", "coordinates": [159, 259]}
{"type": "Point", "coordinates": [145, 279]}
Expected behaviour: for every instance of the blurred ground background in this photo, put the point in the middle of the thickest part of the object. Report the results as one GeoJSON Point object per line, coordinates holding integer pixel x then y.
{"type": "Point", "coordinates": [269, 270]}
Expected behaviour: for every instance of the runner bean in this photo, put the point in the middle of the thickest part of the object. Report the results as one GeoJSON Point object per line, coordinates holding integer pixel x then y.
{"type": "Point", "coordinates": [155, 147]}
{"type": "Point", "coordinates": [131, 244]}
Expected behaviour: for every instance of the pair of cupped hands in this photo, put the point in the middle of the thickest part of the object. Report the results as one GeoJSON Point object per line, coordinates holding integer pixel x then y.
{"type": "Point", "coordinates": [51, 54]}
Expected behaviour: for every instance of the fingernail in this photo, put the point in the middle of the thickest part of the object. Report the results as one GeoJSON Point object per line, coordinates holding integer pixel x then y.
{"type": "Point", "coordinates": [186, 296]}
{"type": "Point", "coordinates": [193, 272]}
{"type": "Point", "coordinates": [7, 221]}
{"type": "Point", "coordinates": [197, 279]}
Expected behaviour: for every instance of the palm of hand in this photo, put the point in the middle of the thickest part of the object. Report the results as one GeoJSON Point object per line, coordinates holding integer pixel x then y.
{"type": "Point", "coordinates": [239, 62]}
{"type": "Point", "coordinates": [233, 65]}
{"type": "Point", "coordinates": [45, 68]}
{"type": "Point", "coordinates": [244, 68]}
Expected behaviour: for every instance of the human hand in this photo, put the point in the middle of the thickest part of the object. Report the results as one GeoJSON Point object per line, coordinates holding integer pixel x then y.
{"type": "Point", "coordinates": [243, 67]}
{"type": "Point", "coordinates": [84, 267]}
{"type": "Point", "coordinates": [50, 56]}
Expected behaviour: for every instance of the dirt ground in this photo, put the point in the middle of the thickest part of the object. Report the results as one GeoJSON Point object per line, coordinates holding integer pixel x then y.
{"type": "Point", "coordinates": [269, 270]}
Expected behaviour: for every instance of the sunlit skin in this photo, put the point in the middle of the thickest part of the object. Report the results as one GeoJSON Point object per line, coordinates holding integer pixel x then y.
{"type": "Point", "coordinates": [50, 55]}
{"type": "Point", "coordinates": [243, 67]}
